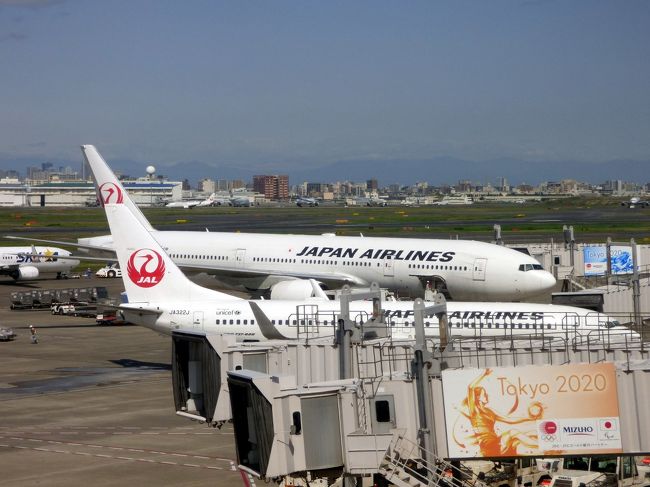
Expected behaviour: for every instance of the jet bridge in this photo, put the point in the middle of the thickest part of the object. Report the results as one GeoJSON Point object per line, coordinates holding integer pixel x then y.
{"type": "Point", "coordinates": [367, 425]}
{"type": "Point", "coordinates": [295, 417]}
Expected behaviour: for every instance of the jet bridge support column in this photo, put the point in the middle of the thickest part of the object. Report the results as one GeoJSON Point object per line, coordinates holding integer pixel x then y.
{"type": "Point", "coordinates": [348, 332]}
{"type": "Point", "coordinates": [424, 365]}
{"type": "Point", "coordinates": [636, 288]}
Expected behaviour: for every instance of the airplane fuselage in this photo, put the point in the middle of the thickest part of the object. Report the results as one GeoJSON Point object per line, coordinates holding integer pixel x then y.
{"type": "Point", "coordinates": [262, 320]}
{"type": "Point", "coordinates": [470, 270]}
{"type": "Point", "coordinates": [15, 261]}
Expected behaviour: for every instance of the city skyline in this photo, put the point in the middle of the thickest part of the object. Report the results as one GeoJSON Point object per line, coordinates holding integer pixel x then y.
{"type": "Point", "coordinates": [276, 186]}
{"type": "Point", "coordinates": [294, 88]}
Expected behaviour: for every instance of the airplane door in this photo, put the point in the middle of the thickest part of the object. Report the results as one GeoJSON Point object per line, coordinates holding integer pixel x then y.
{"type": "Point", "coordinates": [479, 269]}
{"type": "Point", "coordinates": [240, 255]}
{"type": "Point", "coordinates": [388, 267]}
{"type": "Point", "coordinates": [197, 321]}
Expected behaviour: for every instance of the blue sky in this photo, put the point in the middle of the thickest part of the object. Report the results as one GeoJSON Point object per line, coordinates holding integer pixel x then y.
{"type": "Point", "coordinates": [281, 84]}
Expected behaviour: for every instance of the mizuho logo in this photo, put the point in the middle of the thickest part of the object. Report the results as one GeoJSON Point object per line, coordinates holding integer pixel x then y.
{"type": "Point", "coordinates": [145, 268]}
{"type": "Point", "coordinates": [110, 193]}
{"type": "Point", "coordinates": [578, 430]}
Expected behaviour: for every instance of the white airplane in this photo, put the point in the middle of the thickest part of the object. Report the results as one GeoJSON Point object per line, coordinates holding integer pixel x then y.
{"type": "Point", "coordinates": [240, 201]}
{"type": "Point", "coordinates": [305, 201]}
{"type": "Point", "coordinates": [23, 263]}
{"type": "Point", "coordinates": [370, 201]}
{"type": "Point", "coordinates": [462, 269]}
{"type": "Point", "coordinates": [162, 298]}
{"type": "Point", "coordinates": [209, 201]}
{"type": "Point", "coordinates": [636, 201]}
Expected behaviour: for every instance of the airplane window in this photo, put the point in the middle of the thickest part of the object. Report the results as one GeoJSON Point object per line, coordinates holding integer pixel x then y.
{"type": "Point", "coordinates": [218, 321]}
{"type": "Point", "coordinates": [239, 322]}
{"type": "Point", "coordinates": [538, 267]}
{"type": "Point", "coordinates": [246, 322]}
{"type": "Point", "coordinates": [273, 322]}
{"type": "Point", "coordinates": [231, 322]}
{"type": "Point", "coordinates": [252, 322]}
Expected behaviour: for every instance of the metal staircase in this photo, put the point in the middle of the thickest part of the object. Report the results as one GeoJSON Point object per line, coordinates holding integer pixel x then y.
{"type": "Point", "coordinates": [404, 465]}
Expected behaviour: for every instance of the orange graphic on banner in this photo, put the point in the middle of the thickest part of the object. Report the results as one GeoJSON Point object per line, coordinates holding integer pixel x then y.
{"type": "Point", "coordinates": [475, 407]}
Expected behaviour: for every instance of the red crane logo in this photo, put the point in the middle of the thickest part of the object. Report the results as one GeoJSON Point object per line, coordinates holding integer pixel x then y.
{"type": "Point", "coordinates": [110, 193]}
{"type": "Point", "coordinates": [145, 268]}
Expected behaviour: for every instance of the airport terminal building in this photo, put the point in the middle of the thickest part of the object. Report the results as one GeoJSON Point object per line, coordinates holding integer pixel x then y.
{"type": "Point", "coordinates": [80, 193]}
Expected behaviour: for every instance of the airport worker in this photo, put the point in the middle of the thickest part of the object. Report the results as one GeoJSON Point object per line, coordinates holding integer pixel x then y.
{"type": "Point", "coordinates": [32, 332]}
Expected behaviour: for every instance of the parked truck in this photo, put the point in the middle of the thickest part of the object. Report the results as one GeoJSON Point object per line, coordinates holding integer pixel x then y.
{"type": "Point", "coordinates": [78, 308]}
{"type": "Point", "coordinates": [605, 471]}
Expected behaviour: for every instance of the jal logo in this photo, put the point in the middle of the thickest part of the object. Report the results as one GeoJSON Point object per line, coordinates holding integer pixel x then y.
{"type": "Point", "coordinates": [145, 268]}
{"type": "Point", "coordinates": [110, 193]}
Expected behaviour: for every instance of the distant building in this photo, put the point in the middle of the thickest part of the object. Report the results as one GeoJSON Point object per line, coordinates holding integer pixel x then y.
{"type": "Point", "coordinates": [504, 187]}
{"type": "Point", "coordinates": [82, 193]}
{"type": "Point", "coordinates": [273, 187]}
{"type": "Point", "coordinates": [315, 189]}
{"type": "Point", "coordinates": [207, 185]}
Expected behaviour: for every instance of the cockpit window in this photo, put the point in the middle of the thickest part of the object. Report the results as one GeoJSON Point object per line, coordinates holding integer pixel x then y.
{"type": "Point", "coordinates": [531, 267]}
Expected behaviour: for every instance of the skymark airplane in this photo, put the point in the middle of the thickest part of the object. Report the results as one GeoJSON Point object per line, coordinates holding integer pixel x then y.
{"type": "Point", "coordinates": [23, 263]}
{"type": "Point", "coordinates": [163, 299]}
{"type": "Point", "coordinates": [461, 269]}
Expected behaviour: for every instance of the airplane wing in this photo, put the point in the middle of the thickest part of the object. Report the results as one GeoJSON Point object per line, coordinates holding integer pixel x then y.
{"type": "Point", "coordinates": [63, 243]}
{"type": "Point", "coordinates": [332, 280]}
{"type": "Point", "coordinates": [335, 280]}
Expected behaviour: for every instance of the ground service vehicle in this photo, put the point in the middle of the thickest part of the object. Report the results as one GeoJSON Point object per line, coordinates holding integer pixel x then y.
{"type": "Point", "coordinates": [610, 471]}
{"type": "Point", "coordinates": [78, 308]}
{"type": "Point", "coordinates": [522, 472]}
{"type": "Point", "coordinates": [7, 334]}
{"type": "Point", "coordinates": [112, 270]}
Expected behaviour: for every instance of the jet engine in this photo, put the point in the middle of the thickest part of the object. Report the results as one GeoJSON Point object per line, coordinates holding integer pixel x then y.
{"type": "Point", "coordinates": [296, 290]}
{"type": "Point", "coordinates": [25, 272]}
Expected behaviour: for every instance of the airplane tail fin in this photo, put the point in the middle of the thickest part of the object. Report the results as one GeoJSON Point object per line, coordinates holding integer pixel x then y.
{"type": "Point", "coordinates": [109, 189]}
{"type": "Point", "coordinates": [149, 274]}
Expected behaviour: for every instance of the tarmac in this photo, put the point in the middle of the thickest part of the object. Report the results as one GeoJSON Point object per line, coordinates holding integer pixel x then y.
{"type": "Point", "coordinates": [93, 405]}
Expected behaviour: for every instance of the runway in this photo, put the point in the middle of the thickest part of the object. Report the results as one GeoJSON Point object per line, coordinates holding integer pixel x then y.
{"type": "Point", "coordinates": [92, 405]}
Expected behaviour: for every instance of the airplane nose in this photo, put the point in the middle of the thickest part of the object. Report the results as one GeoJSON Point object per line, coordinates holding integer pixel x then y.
{"type": "Point", "coordinates": [535, 283]}
{"type": "Point", "coordinates": [547, 280]}
{"type": "Point", "coordinates": [540, 282]}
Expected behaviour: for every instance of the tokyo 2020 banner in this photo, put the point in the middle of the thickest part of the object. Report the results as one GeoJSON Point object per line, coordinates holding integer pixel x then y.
{"type": "Point", "coordinates": [532, 410]}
